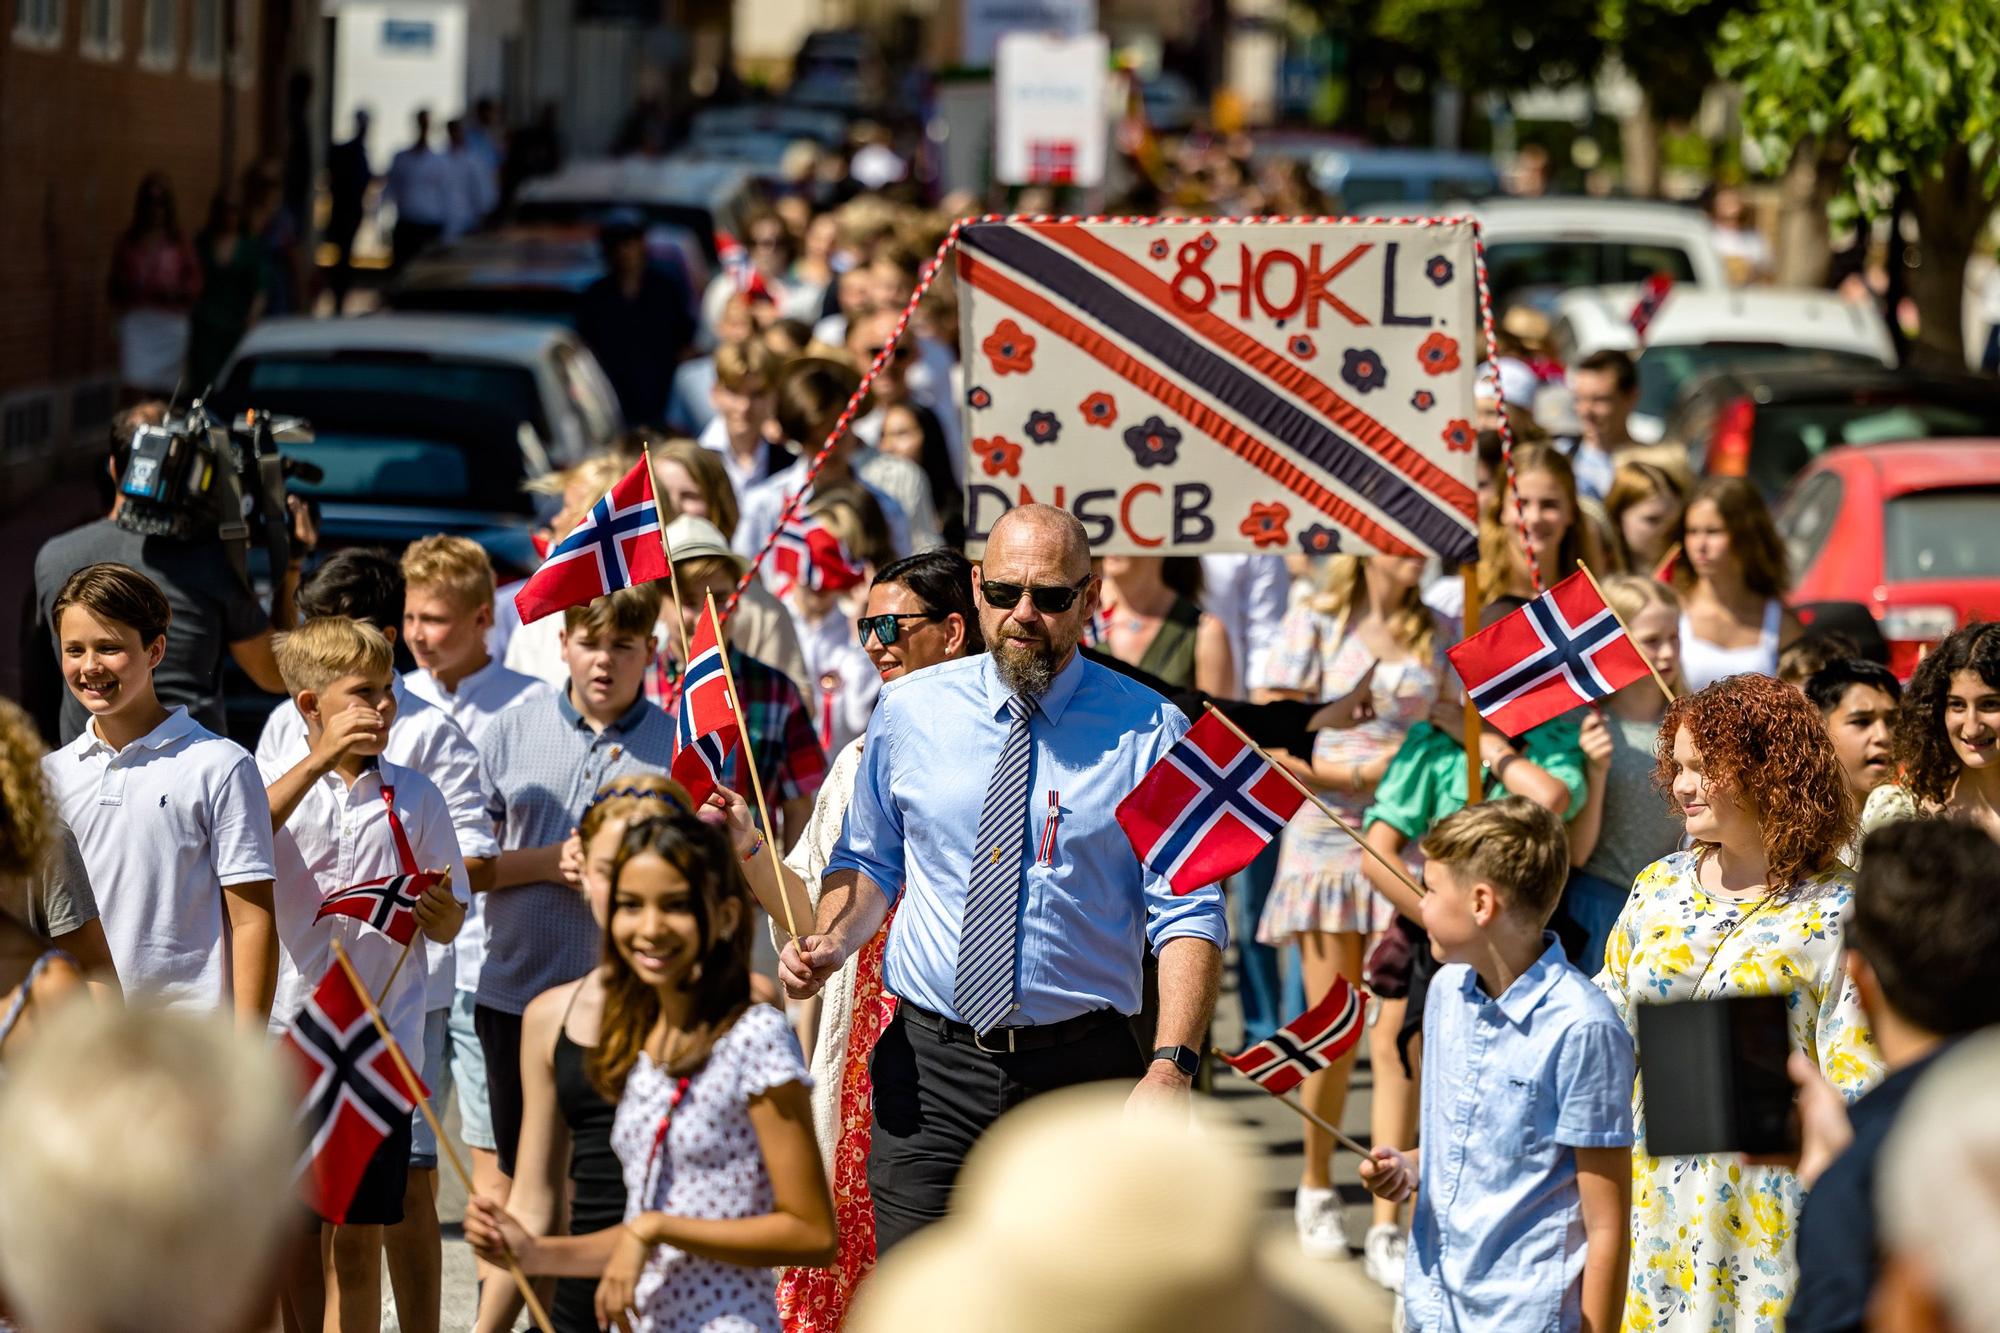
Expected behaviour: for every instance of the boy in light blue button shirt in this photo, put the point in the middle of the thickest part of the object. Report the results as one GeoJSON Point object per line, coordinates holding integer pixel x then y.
{"type": "Point", "coordinates": [1522, 1222]}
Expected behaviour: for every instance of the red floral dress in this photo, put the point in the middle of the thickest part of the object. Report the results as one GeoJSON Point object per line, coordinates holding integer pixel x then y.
{"type": "Point", "coordinates": [814, 1300]}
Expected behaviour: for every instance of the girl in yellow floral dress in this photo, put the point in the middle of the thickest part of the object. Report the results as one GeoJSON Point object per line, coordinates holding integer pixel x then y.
{"type": "Point", "coordinates": [1754, 908]}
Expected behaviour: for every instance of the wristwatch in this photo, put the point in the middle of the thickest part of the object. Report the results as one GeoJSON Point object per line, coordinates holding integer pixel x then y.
{"type": "Point", "coordinates": [1184, 1058]}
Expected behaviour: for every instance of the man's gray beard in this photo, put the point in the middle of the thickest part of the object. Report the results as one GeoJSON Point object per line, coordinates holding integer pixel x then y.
{"type": "Point", "coordinates": [1026, 668]}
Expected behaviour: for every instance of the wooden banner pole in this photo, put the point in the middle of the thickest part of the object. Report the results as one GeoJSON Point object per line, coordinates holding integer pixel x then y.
{"type": "Point", "coordinates": [1468, 626]}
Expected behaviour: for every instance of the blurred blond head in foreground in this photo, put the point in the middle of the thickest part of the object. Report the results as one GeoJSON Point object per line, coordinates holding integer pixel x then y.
{"type": "Point", "coordinates": [146, 1178]}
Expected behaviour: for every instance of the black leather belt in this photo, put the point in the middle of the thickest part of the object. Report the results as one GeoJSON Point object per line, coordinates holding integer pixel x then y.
{"type": "Point", "coordinates": [1011, 1041]}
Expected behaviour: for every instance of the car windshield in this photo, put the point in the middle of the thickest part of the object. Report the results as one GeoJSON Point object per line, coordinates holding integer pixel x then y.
{"type": "Point", "coordinates": [1945, 534]}
{"type": "Point", "coordinates": [542, 305]}
{"type": "Point", "coordinates": [1665, 367]}
{"type": "Point", "coordinates": [1788, 436]}
{"type": "Point", "coordinates": [1513, 265]}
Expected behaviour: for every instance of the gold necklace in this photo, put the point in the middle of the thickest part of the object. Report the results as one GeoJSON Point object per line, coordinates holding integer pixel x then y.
{"type": "Point", "coordinates": [1727, 935]}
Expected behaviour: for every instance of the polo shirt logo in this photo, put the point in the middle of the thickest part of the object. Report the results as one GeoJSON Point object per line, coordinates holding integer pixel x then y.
{"type": "Point", "coordinates": [163, 800]}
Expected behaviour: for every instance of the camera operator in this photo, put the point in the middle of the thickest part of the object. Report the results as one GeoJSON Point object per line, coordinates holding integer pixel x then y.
{"type": "Point", "coordinates": [214, 608]}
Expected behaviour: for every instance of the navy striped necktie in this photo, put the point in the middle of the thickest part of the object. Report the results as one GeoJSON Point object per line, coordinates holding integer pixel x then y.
{"type": "Point", "coordinates": [988, 939]}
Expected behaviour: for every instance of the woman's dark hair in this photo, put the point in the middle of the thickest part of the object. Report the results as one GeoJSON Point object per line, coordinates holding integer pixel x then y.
{"type": "Point", "coordinates": [358, 583]}
{"type": "Point", "coordinates": [946, 496]}
{"type": "Point", "coordinates": [1930, 766]}
{"type": "Point", "coordinates": [169, 218]}
{"type": "Point", "coordinates": [1182, 573]}
{"type": "Point", "coordinates": [941, 579]}
{"type": "Point", "coordinates": [811, 393]}
{"type": "Point", "coordinates": [720, 979]}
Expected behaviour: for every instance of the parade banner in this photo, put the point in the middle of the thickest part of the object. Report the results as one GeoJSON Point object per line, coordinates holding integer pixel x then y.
{"type": "Point", "coordinates": [1197, 386]}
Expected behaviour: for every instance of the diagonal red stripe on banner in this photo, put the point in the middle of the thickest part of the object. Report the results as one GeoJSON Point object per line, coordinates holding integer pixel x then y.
{"type": "Point", "coordinates": [1281, 370]}
{"type": "Point", "coordinates": [1210, 422]}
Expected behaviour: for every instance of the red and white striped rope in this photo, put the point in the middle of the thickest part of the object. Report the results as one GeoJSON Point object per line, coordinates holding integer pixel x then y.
{"type": "Point", "coordinates": [950, 242]}
{"type": "Point", "coordinates": [1500, 403]}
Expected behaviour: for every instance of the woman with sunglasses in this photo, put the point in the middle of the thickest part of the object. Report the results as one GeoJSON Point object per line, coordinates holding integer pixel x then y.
{"type": "Point", "coordinates": [920, 612]}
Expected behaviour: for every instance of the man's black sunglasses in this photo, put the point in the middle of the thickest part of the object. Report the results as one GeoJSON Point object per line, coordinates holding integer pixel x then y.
{"type": "Point", "coordinates": [1050, 601]}
{"type": "Point", "coordinates": [888, 628]}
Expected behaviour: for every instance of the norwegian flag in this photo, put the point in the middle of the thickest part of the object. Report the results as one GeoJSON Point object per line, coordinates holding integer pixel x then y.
{"type": "Point", "coordinates": [1206, 808]}
{"type": "Point", "coordinates": [1097, 630]}
{"type": "Point", "coordinates": [1652, 295]}
{"type": "Point", "coordinates": [355, 1096]}
{"type": "Point", "coordinates": [1307, 1044]}
{"type": "Point", "coordinates": [387, 904]}
{"type": "Point", "coordinates": [616, 546]}
{"type": "Point", "coordinates": [1558, 652]}
{"type": "Point", "coordinates": [736, 263]}
{"type": "Point", "coordinates": [809, 552]}
{"type": "Point", "coordinates": [706, 730]}
{"type": "Point", "coordinates": [1052, 161]}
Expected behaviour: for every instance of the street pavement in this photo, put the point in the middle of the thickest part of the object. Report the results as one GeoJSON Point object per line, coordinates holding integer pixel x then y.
{"type": "Point", "coordinates": [1339, 1290]}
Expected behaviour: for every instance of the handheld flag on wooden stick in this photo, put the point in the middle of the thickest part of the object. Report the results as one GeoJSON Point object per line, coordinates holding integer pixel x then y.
{"type": "Point", "coordinates": [1307, 1044]}
{"type": "Point", "coordinates": [706, 728]}
{"type": "Point", "coordinates": [356, 1095]}
{"type": "Point", "coordinates": [1560, 651]}
{"type": "Point", "coordinates": [388, 904]}
{"type": "Point", "coordinates": [1207, 808]}
{"type": "Point", "coordinates": [616, 546]}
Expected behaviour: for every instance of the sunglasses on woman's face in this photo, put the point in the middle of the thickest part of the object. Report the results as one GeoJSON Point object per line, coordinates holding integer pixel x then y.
{"type": "Point", "coordinates": [1050, 601]}
{"type": "Point", "coordinates": [888, 627]}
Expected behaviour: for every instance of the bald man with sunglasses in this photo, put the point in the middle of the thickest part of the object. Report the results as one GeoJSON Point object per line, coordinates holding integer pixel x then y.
{"type": "Point", "coordinates": [984, 808]}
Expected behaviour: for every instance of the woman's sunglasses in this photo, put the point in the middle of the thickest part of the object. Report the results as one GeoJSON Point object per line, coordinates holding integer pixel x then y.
{"type": "Point", "coordinates": [888, 628]}
{"type": "Point", "coordinates": [1049, 601]}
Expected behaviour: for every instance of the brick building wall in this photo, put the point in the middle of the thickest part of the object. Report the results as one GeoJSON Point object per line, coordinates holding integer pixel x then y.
{"type": "Point", "coordinates": [77, 133]}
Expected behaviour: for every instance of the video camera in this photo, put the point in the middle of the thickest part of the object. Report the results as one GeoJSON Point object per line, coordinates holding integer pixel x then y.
{"type": "Point", "coordinates": [193, 477]}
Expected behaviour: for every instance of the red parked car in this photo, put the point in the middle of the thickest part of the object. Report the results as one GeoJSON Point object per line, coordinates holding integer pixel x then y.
{"type": "Point", "coordinates": [1911, 531]}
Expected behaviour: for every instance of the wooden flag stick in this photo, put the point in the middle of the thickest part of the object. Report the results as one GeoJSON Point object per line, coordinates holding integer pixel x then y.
{"type": "Point", "coordinates": [1468, 625]}
{"type": "Point", "coordinates": [540, 1316]}
{"type": "Point", "coordinates": [660, 519]}
{"type": "Point", "coordinates": [1324, 808]}
{"type": "Point", "coordinates": [1338, 1137]}
{"type": "Point", "coordinates": [404, 957]}
{"type": "Point", "coordinates": [1658, 679]}
{"type": "Point", "coordinates": [750, 762]}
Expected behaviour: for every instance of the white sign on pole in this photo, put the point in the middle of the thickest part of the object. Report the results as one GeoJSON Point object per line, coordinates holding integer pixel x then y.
{"type": "Point", "coordinates": [987, 21]}
{"type": "Point", "coordinates": [1050, 125]}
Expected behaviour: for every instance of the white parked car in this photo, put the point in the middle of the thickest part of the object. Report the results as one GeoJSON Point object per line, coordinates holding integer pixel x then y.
{"type": "Point", "coordinates": [1537, 249]}
{"type": "Point", "coordinates": [1696, 329]}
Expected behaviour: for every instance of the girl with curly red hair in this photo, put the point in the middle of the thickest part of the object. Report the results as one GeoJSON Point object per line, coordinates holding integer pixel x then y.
{"type": "Point", "coordinates": [1754, 907]}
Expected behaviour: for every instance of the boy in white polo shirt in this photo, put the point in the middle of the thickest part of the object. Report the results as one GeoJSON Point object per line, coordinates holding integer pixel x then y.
{"type": "Point", "coordinates": [447, 615]}
{"type": "Point", "coordinates": [171, 818]}
{"type": "Point", "coordinates": [360, 819]}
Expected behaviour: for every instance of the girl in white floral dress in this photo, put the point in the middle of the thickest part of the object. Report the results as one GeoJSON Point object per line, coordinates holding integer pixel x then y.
{"type": "Point", "coordinates": [723, 1178]}
{"type": "Point", "coordinates": [1754, 908]}
{"type": "Point", "coordinates": [1367, 637]}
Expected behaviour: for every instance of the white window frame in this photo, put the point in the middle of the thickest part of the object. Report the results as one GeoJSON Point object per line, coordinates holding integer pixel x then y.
{"type": "Point", "coordinates": [38, 24]}
{"type": "Point", "coordinates": [155, 54]}
{"type": "Point", "coordinates": [110, 44]}
{"type": "Point", "coordinates": [205, 65]}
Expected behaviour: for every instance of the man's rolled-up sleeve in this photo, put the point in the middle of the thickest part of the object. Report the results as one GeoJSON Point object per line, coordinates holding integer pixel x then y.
{"type": "Point", "coordinates": [872, 843]}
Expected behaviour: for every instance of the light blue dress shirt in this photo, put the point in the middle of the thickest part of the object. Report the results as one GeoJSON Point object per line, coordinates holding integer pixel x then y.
{"type": "Point", "coordinates": [1089, 909]}
{"type": "Point", "coordinates": [1511, 1087]}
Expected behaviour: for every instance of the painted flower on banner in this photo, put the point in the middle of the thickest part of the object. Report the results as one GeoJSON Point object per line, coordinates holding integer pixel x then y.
{"type": "Point", "coordinates": [1423, 400]}
{"type": "Point", "coordinates": [1360, 367]}
{"type": "Point", "coordinates": [1153, 442]}
{"type": "Point", "coordinates": [1158, 249]}
{"type": "Point", "coordinates": [1043, 427]}
{"type": "Point", "coordinates": [1100, 409]}
{"type": "Point", "coordinates": [1010, 348]}
{"type": "Point", "coordinates": [998, 455]}
{"type": "Point", "coordinates": [1303, 347]}
{"type": "Point", "coordinates": [1439, 354]}
{"type": "Point", "coordinates": [1319, 539]}
{"type": "Point", "coordinates": [1266, 524]}
{"type": "Point", "coordinates": [978, 397]}
{"type": "Point", "coordinates": [1458, 436]}
{"type": "Point", "coordinates": [1438, 270]}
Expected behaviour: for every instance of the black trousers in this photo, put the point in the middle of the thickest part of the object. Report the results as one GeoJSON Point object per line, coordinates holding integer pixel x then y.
{"type": "Point", "coordinates": [500, 1042]}
{"type": "Point", "coordinates": [935, 1096]}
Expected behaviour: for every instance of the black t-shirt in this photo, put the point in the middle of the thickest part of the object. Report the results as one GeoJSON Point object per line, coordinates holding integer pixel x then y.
{"type": "Point", "coordinates": [212, 609]}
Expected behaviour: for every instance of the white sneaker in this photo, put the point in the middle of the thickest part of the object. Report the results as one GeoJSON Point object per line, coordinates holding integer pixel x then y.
{"type": "Point", "coordinates": [1382, 1253]}
{"type": "Point", "coordinates": [1321, 1232]}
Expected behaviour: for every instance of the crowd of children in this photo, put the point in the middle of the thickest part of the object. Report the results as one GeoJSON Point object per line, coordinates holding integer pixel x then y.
{"type": "Point", "coordinates": [596, 994]}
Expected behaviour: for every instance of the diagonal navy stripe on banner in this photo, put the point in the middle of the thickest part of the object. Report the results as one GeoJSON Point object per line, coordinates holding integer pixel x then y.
{"type": "Point", "coordinates": [1436, 527]}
